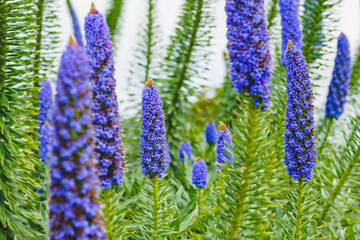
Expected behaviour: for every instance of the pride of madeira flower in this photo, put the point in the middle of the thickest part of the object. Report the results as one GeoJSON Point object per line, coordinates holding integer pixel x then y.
{"type": "Point", "coordinates": [185, 148]}
{"type": "Point", "coordinates": [153, 144]}
{"type": "Point", "coordinates": [199, 173]}
{"type": "Point", "coordinates": [104, 104]}
{"type": "Point", "coordinates": [223, 146]}
{"type": "Point", "coordinates": [290, 25]}
{"type": "Point", "coordinates": [340, 82]}
{"type": "Point", "coordinates": [74, 185]}
{"type": "Point", "coordinates": [249, 52]}
{"type": "Point", "coordinates": [210, 132]}
{"type": "Point", "coordinates": [300, 155]}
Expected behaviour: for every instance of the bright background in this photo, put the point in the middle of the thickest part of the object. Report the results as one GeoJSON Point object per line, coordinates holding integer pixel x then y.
{"type": "Point", "coordinates": [168, 12]}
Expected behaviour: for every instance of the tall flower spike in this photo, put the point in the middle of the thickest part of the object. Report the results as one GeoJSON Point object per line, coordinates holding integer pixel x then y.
{"type": "Point", "coordinates": [300, 155]}
{"type": "Point", "coordinates": [74, 186]}
{"type": "Point", "coordinates": [46, 108]}
{"type": "Point", "coordinates": [290, 24]}
{"type": "Point", "coordinates": [210, 132]}
{"type": "Point", "coordinates": [153, 142]}
{"type": "Point", "coordinates": [340, 82]}
{"type": "Point", "coordinates": [185, 148]}
{"type": "Point", "coordinates": [249, 52]}
{"type": "Point", "coordinates": [199, 173]}
{"type": "Point", "coordinates": [76, 26]}
{"type": "Point", "coordinates": [223, 150]}
{"type": "Point", "coordinates": [105, 108]}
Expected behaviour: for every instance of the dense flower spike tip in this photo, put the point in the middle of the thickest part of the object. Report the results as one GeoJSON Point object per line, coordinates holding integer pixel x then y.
{"type": "Point", "coordinates": [340, 82]}
{"type": "Point", "coordinates": [93, 9]}
{"type": "Point", "coordinates": [290, 24]}
{"type": "Point", "coordinates": [185, 147]}
{"type": "Point", "coordinates": [210, 132]}
{"type": "Point", "coordinates": [223, 146]}
{"type": "Point", "coordinates": [153, 143]}
{"type": "Point", "coordinates": [106, 119]}
{"type": "Point", "coordinates": [300, 154]}
{"type": "Point", "coordinates": [199, 173]}
{"type": "Point", "coordinates": [249, 52]}
{"type": "Point", "coordinates": [74, 184]}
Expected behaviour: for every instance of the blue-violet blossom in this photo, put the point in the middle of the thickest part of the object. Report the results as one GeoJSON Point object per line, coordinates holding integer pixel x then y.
{"type": "Point", "coordinates": [199, 173]}
{"type": "Point", "coordinates": [210, 132]}
{"type": "Point", "coordinates": [300, 154]}
{"type": "Point", "coordinates": [290, 25]}
{"type": "Point", "coordinates": [223, 146]}
{"type": "Point", "coordinates": [76, 25]}
{"type": "Point", "coordinates": [74, 184]}
{"type": "Point", "coordinates": [340, 82]}
{"type": "Point", "coordinates": [153, 144]}
{"type": "Point", "coordinates": [249, 52]}
{"type": "Point", "coordinates": [106, 119]}
{"type": "Point", "coordinates": [185, 148]}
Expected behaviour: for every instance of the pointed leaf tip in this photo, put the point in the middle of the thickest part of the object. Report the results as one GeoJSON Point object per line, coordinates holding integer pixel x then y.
{"type": "Point", "coordinates": [149, 83]}
{"type": "Point", "coordinates": [290, 44]}
{"type": "Point", "coordinates": [93, 9]}
{"type": "Point", "coordinates": [222, 126]}
{"type": "Point", "coordinates": [199, 159]}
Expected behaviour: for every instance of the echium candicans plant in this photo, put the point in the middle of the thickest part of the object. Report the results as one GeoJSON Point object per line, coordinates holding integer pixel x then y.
{"type": "Point", "coordinates": [74, 187]}
{"type": "Point", "coordinates": [106, 119]}
{"type": "Point", "coordinates": [290, 23]}
{"type": "Point", "coordinates": [185, 148]}
{"type": "Point", "coordinates": [186, 60]}
{"type": "Point", "coordinates": [300, 153]}
{"type": "Point", "coordinates": [210, 132]}
{"type": "Point", "coordinates": [75, 23]}
{"type": "Point", "coordinates": [223, 146]}
{"type": "Point", "coordinates": [18, 124]}
{"type": "Point", "coordinates": [46, 108]}
{"type": "Point", "coordinates": [250, 60]}
{"type": "Point", "coordinates": [249, 51]}
{"type": "Point", "coordinates": [155, 222]}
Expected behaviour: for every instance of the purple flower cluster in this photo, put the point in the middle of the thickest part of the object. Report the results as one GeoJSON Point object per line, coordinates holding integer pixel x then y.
{"type": "Point", "coordinates": [76, 25]}
{"type": "Point", "coordinates": [300, 154]}
{"type": "Point", "coordinates": [154, 153]}
{"type": "Point", "coordinates": [185, 148]}
{"type": "Point", "coordinates": [199, 173]}
{"type": "Point", "coordinates": [249, 52]}
{"type": "Point", "coordinates": [106, 119]}
{"type": "Point", "coordinates": [74, 186]}
{"type": "Point", "coordinates": [223, 150]}
{"type": "Point", "coordinates": [210, 132]}
{"type": "Point", "coordinates": [340, 82]}
{"type": "Point", "coordinates": [46, 108]}
{"type": "Point", "coordinates": [290, 24]}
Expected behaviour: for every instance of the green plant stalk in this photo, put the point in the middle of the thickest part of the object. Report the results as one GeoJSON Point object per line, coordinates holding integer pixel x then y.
{"type": "Point", "coordinates": [327, 133]}
{"type": "Point", "coordinates": [108, 213]}
{"type": "Point", "coordinates": [149, 38]}
{"type": "Point", "coordinates": [113, 15]}
{"type": "Point", "coordinates": [183, 71]}
{"type": "Point", "coordinates": [341, 183]}
{"type": "Point", "coordinates": [199, 200]}
{"type": "Point", "coordinates": [39, 21]}
{"type": "Point", "coordinates": [155, 185]}
{"type": "Point", "coordinates": [3, 43]}
{"type": "Point", "coordinates": [253, 115]}
{"type": "Point", "coordinates": [299, 209]}
{"type": "Point", "coordinates": [272, 13]}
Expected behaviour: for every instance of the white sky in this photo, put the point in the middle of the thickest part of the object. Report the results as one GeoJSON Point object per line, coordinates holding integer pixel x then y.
{"type": "Point", "coordinates": [168, 10]}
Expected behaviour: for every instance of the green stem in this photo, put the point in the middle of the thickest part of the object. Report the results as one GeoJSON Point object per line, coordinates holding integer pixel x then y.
{"type": "Point", "coordinates": [251, 150]}
{"type": "Point", "coordinates": [37, 64]}
{"type": "Point", "coordinates": [149, 39]}
{"type": "Point", "coordinates": [180, 81]}
{"type": "Point", "coordinates": [272, 13]}
{"type": "Point", "coordinates": [341, 183]}
{"type": "Point", "coordinates": [3, 42]}
{"type": "Point", "coordinates": [108, 213]}
{"type": "Point", "coordinates": [327, 133]}
{"type": "Point", "coordinates": [199, 200]}
{"type": "Point", "coordinates": [155, 183]}
{"type": "Point", "coordinates": [299, 209]}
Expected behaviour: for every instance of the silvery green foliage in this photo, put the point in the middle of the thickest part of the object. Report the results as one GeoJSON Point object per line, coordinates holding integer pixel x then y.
{"type": "Point", "coordinates": [18, 146]}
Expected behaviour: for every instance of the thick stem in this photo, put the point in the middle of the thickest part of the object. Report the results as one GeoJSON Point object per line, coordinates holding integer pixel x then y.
{"type": "Point", "coordinates": [327, 133]}
{"type": "Point", "coordinates": [199, 200]}
{"type": "Point", "coordinates": [299, 209]}
{"type": "Point", "coordinates": [155, 183]}
{"type": "Point", "coordinates": [108, 213]}
{"type": "Point", "coordinates": [253, 118]}
{"type": "Point", "coordinates": [149, 39]}
{"type": "Point", "coordinates": [39, 21]}
{"type": "Point", "coordinates": [341, 183]}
